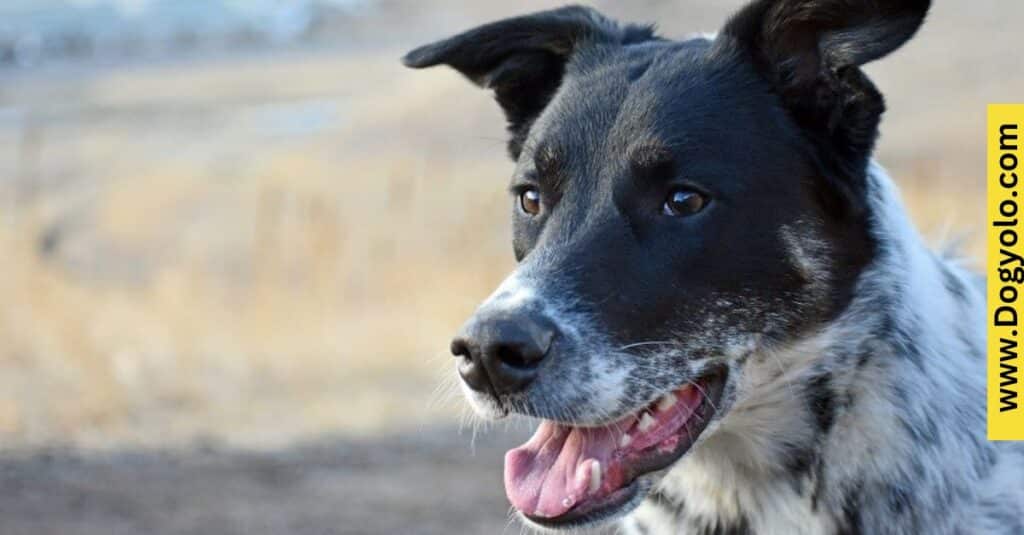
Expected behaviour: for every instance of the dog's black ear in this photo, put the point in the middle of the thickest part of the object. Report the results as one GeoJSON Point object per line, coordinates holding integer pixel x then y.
{"type": "Point", "coordinates": [523, 58]}
{"type": "Point", "coordinates": [811, 51]}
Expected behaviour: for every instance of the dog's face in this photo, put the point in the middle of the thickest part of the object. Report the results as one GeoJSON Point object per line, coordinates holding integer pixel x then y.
{"type": "Point", "coordinates": [677, 207]}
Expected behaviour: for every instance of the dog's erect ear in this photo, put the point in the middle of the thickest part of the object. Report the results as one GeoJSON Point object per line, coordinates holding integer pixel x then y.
{"type": "Point", "coordinates": [811, 51]}
{"type": "Point", "coordinates": [523, 58]}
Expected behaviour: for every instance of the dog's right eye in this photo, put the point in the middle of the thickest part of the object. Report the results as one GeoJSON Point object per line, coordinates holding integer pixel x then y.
{"type": "Point", "coordinates": [683, 202]}
{"type": "Point", "coordinates": [529, 201]}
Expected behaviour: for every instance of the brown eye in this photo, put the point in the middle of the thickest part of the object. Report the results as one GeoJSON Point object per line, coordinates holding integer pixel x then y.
{"type": "Point", "coordinates": [529, 201]}
{"type": "Point", "coordinates": [683, 202]}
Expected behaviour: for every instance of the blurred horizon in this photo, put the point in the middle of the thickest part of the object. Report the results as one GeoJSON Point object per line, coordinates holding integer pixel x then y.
{"type": "Point", "coordinates": [36, 33]}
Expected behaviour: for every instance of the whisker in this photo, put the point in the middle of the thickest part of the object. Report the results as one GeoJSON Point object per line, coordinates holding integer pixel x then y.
{"type": "Point", "coordinates": [703, 393]}
{"type": "Point", "coordinates": [649, 343]}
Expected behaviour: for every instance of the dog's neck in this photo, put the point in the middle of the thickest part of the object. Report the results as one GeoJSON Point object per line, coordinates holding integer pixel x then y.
{"type": "Point", "coordinates": [831, 433]}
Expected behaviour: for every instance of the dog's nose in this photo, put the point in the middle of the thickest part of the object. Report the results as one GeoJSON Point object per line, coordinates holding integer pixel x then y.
{"type": "Point", "coordinates": [501, 353]}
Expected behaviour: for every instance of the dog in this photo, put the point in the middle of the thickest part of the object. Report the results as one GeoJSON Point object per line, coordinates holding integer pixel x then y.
{"type": "Point", "coordinates": [722, 317]}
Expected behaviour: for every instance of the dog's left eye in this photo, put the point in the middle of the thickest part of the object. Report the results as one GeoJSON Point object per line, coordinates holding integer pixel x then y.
{"type": "Point", "coordinates": [683, 202]}
{"type": "Point", "coordinates": [529, 201]}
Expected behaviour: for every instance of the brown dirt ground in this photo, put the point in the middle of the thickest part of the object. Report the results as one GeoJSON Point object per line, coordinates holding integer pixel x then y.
{"type": "Point", "coordinates": [428, 483]}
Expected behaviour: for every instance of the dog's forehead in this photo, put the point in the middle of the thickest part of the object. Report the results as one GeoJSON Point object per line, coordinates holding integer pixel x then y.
{"type": "Point", "coordinates": [619, 104]}
{"type": "Point", "coordinates": [619, 86]}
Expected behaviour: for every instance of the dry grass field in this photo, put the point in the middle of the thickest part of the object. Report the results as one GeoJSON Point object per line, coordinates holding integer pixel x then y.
{"type": "Point", "coordinates": [271, 250]}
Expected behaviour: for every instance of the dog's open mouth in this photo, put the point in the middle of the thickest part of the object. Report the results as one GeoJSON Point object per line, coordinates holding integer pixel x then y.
{"type": "Point", "coordinates": [567, 476]}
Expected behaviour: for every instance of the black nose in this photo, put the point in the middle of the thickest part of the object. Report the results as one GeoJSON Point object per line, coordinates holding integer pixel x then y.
{"type": "Point", "coordinates": [500, 353]}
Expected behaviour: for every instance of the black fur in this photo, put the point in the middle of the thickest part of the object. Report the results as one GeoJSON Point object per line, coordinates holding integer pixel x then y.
{"type": "Point", "coordinates": [811, 50]}
{"type": "Point", "coordinates": [849, 521]}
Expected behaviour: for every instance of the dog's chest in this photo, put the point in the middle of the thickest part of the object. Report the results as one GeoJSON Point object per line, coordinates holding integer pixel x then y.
{"type": "Point", "coordinates": [694, 499]}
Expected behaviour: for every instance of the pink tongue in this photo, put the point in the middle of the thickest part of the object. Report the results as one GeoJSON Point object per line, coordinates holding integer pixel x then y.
{"type": "Point", "coordinates": [552, 472]}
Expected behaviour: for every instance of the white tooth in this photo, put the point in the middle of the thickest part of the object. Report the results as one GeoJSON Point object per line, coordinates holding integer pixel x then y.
{"type": "Point", "coordinates": [646, 422]}
{"type": "Point", "coordinates": [595, 476]}
{"type": "Point", "coordinates": [625, 440]}
{"type": "Point", "coordinates": [666, 402]}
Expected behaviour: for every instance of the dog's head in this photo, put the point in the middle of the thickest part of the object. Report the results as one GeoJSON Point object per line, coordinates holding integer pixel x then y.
{"type": "Point", "coordinates": [678, 206]}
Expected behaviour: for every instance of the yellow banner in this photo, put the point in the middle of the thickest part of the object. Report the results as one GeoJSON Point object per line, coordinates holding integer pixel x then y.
{"type": "Point", "coordinates": [1005, 271]}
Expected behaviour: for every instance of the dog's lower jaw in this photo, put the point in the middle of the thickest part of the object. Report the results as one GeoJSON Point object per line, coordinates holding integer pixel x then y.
{"type": "Point", "coordinates": [638, 492]}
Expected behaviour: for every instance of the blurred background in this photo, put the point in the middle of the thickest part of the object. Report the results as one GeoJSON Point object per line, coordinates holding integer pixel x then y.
{"type": "Point", "coordinates": [236, 236]}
